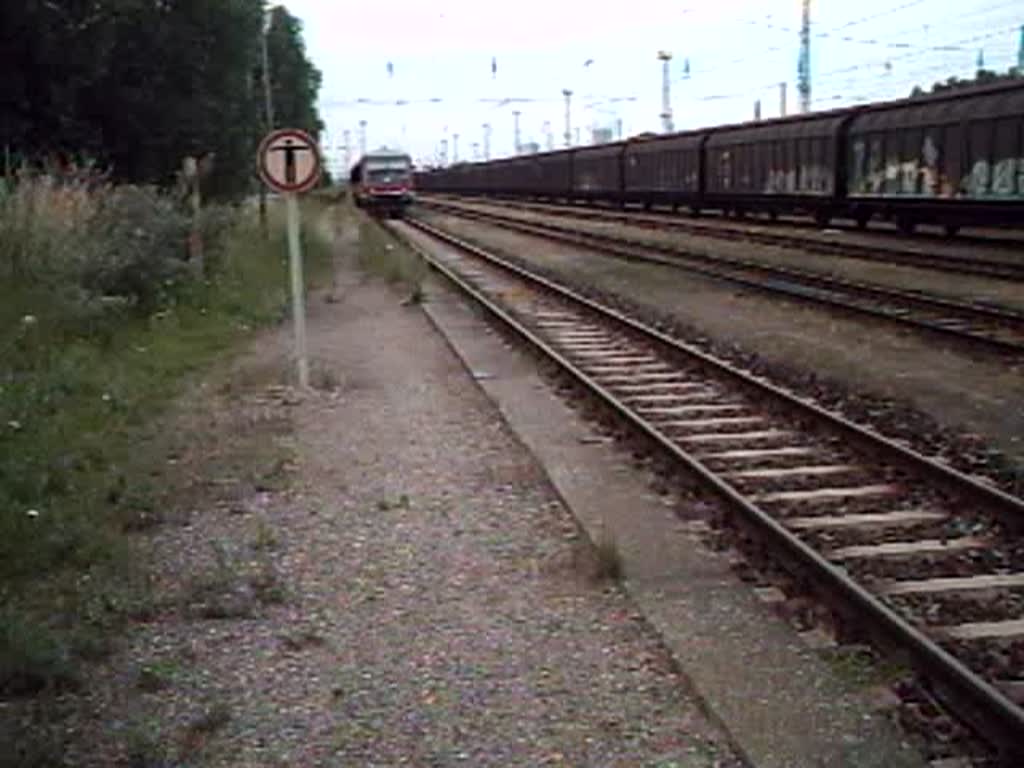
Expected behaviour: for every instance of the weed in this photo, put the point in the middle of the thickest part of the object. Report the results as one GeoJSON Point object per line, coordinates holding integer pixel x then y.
{"type": "Point", "coordinates": [137, 507]}
{"type": "Point", "coordinates": [266, 585]}
{"type": "Point", "coordinates": [218, 592]}
{"type": "Point", "coordinates": [157, 675]}
{"type": "Point", "coordinates": [322, 377]}
{"type": "Point", "coordinates": [416, 296]}
{"type": "Point", "coordinates": [265, 537]}
{"type": "Point", "coordinates": [213, 719]}
{"type": "Point", "coordinates": [232, 591]}
{"type": "Point", "coordinates": [859, 667]}
{"type": "Point", "coordinates": [385, 505]}
{"type": "Point", "coordinates": [274, 476]}
{"type": "Point", "coordinates": [608, 565]}
{"type": "Point", "coordinates": [131, 597]}
{"type": "Point", "coordinates": [32, 656]}
{"type": "Point", "coordinates": [396, 264]}
{"type": "Point", "coordinates": [201, 730]}
{"type": "Point", "coordinates": [35, 748]}
{"type": "Point", "coordinates": [144, 747]}
{"type": "Point", "coordinates": [306, 638]}
{"type": "Point", "coordinates": [91, 641]}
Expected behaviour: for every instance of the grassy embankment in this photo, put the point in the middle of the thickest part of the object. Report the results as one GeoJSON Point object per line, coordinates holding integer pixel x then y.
{"type": "Point", "coordinates": [101, 325]}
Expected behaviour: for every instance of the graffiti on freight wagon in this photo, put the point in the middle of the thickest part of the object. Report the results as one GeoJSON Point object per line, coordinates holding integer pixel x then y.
{"type": "Point", "coordinates": [807, 178]}
{"type": "Point", "coordinates": [743, 171]}
{"type": "Point", "coordinates": [878, 170]}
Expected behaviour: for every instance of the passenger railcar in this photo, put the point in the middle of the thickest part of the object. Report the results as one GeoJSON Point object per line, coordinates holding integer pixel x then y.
{"type": "Point", "coordinates": [382, 182]}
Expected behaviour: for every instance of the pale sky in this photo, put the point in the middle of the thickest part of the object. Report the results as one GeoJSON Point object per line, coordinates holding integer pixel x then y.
{"type": "Point", "coordinates": [738, 52]}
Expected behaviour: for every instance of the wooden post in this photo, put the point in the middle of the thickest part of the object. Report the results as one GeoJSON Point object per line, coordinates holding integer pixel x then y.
{"type": "Point", "coordinates": [268, 106]}
{"type": "Point", "coordinates": [8, 181]}
{"type": "Point", "coordinates": [190, 170]}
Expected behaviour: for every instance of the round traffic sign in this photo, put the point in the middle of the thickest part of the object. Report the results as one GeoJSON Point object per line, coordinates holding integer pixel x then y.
{"type": "Point", "coordinates": [289, 160]}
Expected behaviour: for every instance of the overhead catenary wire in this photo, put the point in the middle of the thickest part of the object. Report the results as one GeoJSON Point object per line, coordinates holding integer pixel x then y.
{"type": "Point", "coordinates": [861, 66]}
{"type": "Point", "coordinates": [880, 14]}
{"type": "Point", "coordinates": [889, 41]}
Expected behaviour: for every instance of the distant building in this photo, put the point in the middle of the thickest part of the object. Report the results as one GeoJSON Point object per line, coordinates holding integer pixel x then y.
{"type": "Point", "coordinates": [529, 148]}
{"type": "Point", "coordinates": [602, 135]}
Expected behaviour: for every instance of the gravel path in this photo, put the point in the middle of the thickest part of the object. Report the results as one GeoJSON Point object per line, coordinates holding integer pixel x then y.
{"type": "Point", "coordinates": [444, 572]}
{"type": "Point", "coordinates": [403, 587]}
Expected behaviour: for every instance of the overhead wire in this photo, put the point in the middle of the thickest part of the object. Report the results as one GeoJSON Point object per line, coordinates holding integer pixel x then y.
{"type": "Point", "coordinates": [879, 15]}
{"type": "Point", "coordinates": [912, 54]}
{"type": "Point", "coordinates": [863, 66]}
{"type": "Point", "coordinates": [886, 41]}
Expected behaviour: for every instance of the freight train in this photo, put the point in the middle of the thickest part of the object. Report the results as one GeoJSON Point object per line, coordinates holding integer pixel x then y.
{"type": "Point", "coordinates": [382, 182]}
{"type": "Point", "coordinates": [953, 159]}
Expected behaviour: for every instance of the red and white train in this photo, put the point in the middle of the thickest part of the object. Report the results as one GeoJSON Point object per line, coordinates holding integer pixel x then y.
{"type": "Point", "coordinates": [382, 182]}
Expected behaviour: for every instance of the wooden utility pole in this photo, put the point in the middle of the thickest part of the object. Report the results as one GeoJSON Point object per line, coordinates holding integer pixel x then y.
{"type": "Point", "coordinates": [190, 173]}
{"type": "Point", "coordinates": [268, 105]}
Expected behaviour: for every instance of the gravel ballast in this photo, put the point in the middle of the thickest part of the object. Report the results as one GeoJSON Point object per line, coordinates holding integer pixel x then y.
{"type": "Point", "coordinates": [918, 385]}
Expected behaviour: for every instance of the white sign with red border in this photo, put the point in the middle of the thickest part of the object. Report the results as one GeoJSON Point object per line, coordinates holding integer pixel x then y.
{"type": "Point", "coordinates": [289, 160]}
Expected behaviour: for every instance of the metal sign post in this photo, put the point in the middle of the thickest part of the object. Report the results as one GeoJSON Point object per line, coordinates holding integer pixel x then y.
{"type": "Point", "coordinates": [298, 291]}
{"type": "Point", "coordinates": [290, 163]}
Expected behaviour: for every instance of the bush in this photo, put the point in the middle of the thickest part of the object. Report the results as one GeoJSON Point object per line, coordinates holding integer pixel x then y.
{"type": "Point", "coordinates": [134, 248]}
{"type": "Point", "coordinates": [87, 250]}
{"type": "Point", "coordinates": [31, 658]}
{"type": "Point", "coordinates": [216, 225]}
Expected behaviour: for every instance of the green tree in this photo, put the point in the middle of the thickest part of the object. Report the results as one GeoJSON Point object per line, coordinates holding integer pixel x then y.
{"type": "Point", "coordinates": [981, 78]}
{"type": "Point", "coordinates": [294, 80]}
{"type": "Point", "coordinates": [139, 84]}
{"type": "Point", "coordinates": [179, 84]}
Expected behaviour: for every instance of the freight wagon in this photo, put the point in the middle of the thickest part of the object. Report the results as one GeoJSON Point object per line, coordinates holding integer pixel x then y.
{"type": "Point", "coordinates": [953, 159]}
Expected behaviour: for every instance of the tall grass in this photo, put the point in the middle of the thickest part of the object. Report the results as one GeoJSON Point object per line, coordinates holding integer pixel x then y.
{"type": "Point", "coordinates": [100, 322]}
{"type": "Point", "coordinates": [39, 224]}
{"type": "Point", "coordinates": [382, 255]}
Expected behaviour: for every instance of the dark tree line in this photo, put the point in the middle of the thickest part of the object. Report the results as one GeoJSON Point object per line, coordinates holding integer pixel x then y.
{"type": "Point", "coordinates": [981, 78]}
{"type": "Point", "coordinates": [136, 85]}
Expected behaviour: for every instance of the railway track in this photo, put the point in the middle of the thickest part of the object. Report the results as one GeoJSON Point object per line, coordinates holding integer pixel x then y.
{"type": "Point", "coordinates": [977, 325]}
{"type": "Point", "coordinates": [908, 551]}
{"type": "Point", "coordinates": [1008, 269]}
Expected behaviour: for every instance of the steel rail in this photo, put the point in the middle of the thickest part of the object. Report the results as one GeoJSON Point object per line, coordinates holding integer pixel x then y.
{"type": "Point", "coordinates": [940, 262]}
{"type": "Point", "coordinates": [792, 283]}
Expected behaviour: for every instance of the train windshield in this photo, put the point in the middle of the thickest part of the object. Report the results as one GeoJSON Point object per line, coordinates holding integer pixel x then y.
{"type": "Point", "coordinates": [388, 168]}
{"type": "Point", "coordinates": [387, 174]}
